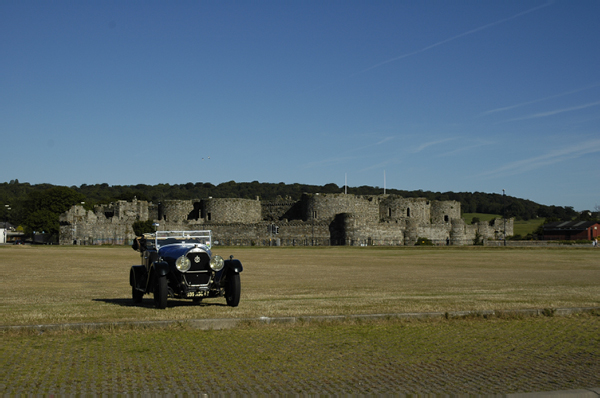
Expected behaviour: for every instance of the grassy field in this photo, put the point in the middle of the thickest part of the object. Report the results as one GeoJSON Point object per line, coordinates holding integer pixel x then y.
{"type": "Point", "coordinates": [470, 356]}
{"type": "Point", "coordinates": [65, 284]}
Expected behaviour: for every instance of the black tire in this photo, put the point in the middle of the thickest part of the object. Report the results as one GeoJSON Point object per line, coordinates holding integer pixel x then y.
{"type": "Point", "coordinates": [136, 295]}
{"type": "Point", "coordinates": [160, 292]}
{"type": "Point", "coordinates": [233, 289]}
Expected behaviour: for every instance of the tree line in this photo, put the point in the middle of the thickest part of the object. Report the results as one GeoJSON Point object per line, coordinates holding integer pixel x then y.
{"type": "Point", "coordinates": [37, 207]}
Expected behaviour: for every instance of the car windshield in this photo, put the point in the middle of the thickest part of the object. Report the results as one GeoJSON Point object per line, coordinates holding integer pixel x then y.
{"type": "Point", "coordinates": [163, 238]}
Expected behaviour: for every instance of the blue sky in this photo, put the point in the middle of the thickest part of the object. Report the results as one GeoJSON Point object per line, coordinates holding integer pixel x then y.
{"type": "Point", "coordinates": [443, 96]}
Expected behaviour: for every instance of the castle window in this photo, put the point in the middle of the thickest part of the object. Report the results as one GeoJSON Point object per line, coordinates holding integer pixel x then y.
{"type": "Point", "coordinates": [408, 212]}
{"type": "Point", "coordinates": [389, 212]}
{"type": "Point", "coordinates": [208, 216]}
{"type": "Point", "coordinates": [314, 214]}
{"type": "Point", "coordinates": [446, 218]}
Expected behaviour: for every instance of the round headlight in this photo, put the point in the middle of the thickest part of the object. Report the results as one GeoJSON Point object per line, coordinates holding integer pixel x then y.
{"type": "Point", "coordinates": [217, 263]}
{"type": "Point", "coordinates": [183, 264]}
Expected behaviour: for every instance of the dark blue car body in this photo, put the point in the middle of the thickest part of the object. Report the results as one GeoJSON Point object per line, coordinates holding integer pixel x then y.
{"type": "Point", "coordinates": [181, 264]}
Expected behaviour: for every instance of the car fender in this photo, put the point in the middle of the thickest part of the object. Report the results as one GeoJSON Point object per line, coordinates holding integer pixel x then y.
{"type": "Point", "coordinates": [234, 265]}
{"type": "Point", "coordinates": [137, 277]}
{"type": "Point", "coordinates": [161, 268]}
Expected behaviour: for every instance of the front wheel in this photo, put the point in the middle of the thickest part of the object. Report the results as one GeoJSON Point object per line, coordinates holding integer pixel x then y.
{"type": "Point", "coordinates": [233, 290]}
{"type": "Point", "coordinates": [160, 292]}
{"type": "Point", "coordinates": [136, 295]}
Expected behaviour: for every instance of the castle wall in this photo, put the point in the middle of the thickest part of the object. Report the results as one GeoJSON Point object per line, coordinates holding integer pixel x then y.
{"type": "Point", "coordinates": [221, 210]}
{"type": "Point", "coordinates": [460, 232]}
{"type": "Point", "coordinates": [444, 211]}
{"type": "Point", "coordinates": [327, 206]}
{"type": "Point", "coordinates": [178, 210]}
{"type": "Point", "coordinates": [280, 210]}
{"type": "Point", "coordinates": [290, 233]}
{"type": "Point", "coordinates": [331, 219]}
{"type": "Point", "coordinates": [361, 231]}
{"type": "Point", "coordinates": [438, 234]}
{"type": "Point", "coordinates": [398, 208]}
{"type": "Point", "coordinates": [86, 227]}
{"type": "Point", "coordinates": [495, 228]}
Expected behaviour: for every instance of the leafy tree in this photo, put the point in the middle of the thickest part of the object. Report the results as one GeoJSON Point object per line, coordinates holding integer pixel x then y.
{"type": "Point", "coordinates": [142, 227]}
{"type": "Point", "coordinates": [43, 209]}
{"type": "Point", "coordinates": [42, 220]}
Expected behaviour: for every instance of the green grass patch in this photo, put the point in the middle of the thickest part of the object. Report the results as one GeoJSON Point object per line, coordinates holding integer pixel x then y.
{"type": "Point", "coordinates": [456, 357]}
{"type": "Point", "coordinates": [524, 228]}
{"type": "Point", "coordinates": [468, 217]}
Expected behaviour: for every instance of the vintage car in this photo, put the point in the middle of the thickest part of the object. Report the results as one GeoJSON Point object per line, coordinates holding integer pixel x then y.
{"type": "Point", "coordinates": [181, 264]}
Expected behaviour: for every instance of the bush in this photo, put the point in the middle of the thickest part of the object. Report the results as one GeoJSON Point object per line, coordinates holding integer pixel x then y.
{"type": "Point", "coordinates": [423, 242]}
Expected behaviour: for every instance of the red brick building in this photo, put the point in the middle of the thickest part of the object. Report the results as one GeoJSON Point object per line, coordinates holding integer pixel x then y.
{"type": "Point", "coordinates": [572, 230]}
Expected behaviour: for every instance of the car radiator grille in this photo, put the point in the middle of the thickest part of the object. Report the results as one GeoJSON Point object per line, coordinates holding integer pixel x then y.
{"type": "Point", "coordinates": [199, 273]}
{"type": "Point", "coordinates": [200, 261]}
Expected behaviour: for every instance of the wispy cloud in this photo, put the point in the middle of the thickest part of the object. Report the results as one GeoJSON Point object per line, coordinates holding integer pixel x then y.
{"type": "Point", "coordinates": [466, 148]}
{"type": "Point", "coordinates": [432, 143]}
{"type": "Point", "coordinates": [469, 32]}
{"type": "Point", "coordinates": [555, 112]}
{"type": "Point", "coordinates": [552, 157]}
{"type": "Point", "coordinates": [507, 108]}
{"type": "Point", "coordinates": [398, 159]}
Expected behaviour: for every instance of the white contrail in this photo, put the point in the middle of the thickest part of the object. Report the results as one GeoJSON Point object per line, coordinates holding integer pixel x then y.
{"type": "Point", "coordinates": [520, 166]}
{"type": "Point", "coordinates": [469, 32]}
{"type": "Point", "coordinates": [554, 112]}
{"type": "Point", "coordinates": [506, 108]}
{"type": "Point", "coordinates": [431, 143]}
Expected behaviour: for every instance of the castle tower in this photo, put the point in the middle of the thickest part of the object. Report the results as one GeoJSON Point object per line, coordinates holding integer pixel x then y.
{"type": "Point", "coordinates": [442, 212]}
{"type": "Point", "coordinates": [231, 210]}
{"type": "Point", "coordinates": [396, 208]}
{"type": "Point", "coordinates": [327, 206]}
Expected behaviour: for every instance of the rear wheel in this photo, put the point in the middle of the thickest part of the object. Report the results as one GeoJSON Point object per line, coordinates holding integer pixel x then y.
{"type": "Point", "coordinates": [233, 290]}
{"type": "Point", "coordinates": [160, 292]}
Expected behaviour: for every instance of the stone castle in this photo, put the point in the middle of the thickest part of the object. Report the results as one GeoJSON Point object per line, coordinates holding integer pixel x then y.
{"type": "Point", "coordinates": [314, 220]}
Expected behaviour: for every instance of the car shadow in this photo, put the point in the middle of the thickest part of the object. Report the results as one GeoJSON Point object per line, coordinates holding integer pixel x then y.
{"type": "Point", "coordinates": [149, 303]}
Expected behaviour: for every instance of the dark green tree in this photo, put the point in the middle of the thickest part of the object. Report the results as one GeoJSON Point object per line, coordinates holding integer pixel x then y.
{"type": "Point", "coordinates": [43, 209]}
{"type": "Point", "coordinates": [142, 227]}
{"type": "Point", "coordinates": [41, 221]}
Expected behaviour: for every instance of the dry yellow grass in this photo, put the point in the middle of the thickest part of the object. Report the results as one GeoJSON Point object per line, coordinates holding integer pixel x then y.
{"type": "Point", "coordinates": [48, 285]}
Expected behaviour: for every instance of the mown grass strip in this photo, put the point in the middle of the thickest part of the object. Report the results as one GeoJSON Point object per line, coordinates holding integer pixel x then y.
{"type": "Point", "coordinates": [456, 356]}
